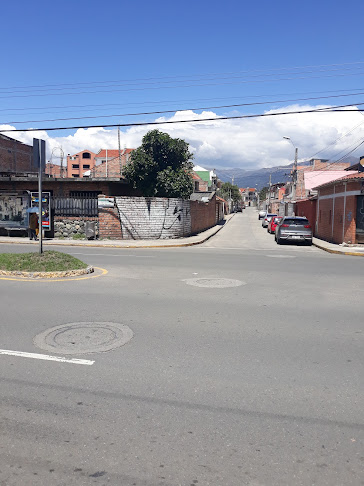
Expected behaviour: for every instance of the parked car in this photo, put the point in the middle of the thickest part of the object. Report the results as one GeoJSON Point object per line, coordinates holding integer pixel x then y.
{"type": "Point", "coordinates": [294, 228]}
{"type": "Point", "coordinates": [262, 214]}
{"type": "Point", "coordinates": [273, 224]}
{"type": "Point", "coordinates": [267, 218]}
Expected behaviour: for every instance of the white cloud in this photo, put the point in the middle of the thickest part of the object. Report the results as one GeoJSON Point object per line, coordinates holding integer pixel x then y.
{"type": "Point", "coordinates": [247, 143]}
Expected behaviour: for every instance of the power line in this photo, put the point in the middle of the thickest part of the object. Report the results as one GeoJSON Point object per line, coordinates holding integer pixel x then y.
{"type": "Point", "coordinates": [219, 118]}
{"type": "Point", "coordinates": [351, 151]}
{"type": "Point", "coordinates": [178, 109]}
{"type": "Point", "coordinates": [273, 70]}
{"type": "Point", "coordinates": [335, 141]}
{"type": "Point", "coordinates": [103, 105]}
{"type": "Point", "coordinates": [174, 80]}
{"type": "Point", "coordinates": [177, 87]}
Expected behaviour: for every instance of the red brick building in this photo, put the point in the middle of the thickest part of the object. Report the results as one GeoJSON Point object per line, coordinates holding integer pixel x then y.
{"type": "Point", "coordinates": [80, 163]}
{"type": "Point", "coordinates": [109, 164]}
{"type": "Point", "coordinates": [340, 210]}
{"type": "Point", "coordinates": [15, 157]}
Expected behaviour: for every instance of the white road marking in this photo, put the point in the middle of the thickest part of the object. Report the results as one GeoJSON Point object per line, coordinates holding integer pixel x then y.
{"type": "Point", "coordinates": [46, 357]}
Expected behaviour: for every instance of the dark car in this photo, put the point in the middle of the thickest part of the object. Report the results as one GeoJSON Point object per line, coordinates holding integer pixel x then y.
{"type": "Point", "coordinates": [294, 228]}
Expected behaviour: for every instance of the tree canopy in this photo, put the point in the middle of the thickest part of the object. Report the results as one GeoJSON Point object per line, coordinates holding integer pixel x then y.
{"type": "Point", "coordinates": [228, 190]}
{"type": "Point", "coordinates": [161, 166]}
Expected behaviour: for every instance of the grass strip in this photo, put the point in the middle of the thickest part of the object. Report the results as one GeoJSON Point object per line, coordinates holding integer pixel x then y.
{"type": "Point", "coordinates": [49, 261]}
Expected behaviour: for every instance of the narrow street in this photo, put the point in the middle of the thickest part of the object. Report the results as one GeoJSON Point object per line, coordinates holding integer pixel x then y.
{"type": "Point", "coordinates": [244, 367]}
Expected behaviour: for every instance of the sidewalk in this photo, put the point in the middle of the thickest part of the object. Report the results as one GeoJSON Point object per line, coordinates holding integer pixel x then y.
{"type": "Point", "coordinates": [340, 250]}
{"type": "Point", "coordinates": [167, 243]}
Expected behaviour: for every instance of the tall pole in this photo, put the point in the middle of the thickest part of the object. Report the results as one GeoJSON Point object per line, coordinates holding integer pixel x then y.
{"type": "Point", "coordinates": [294, 174]}
{"type": "Point", "coordinates": [106, 163]}
{"type": "Point", "coordinates": [270, 186]}
{"type": "Point", "coordinates": [119, 150]}
{"type": "Point", "coordinates": [40, 209]}
{"type": "Point", "coordinates": [39, 161]}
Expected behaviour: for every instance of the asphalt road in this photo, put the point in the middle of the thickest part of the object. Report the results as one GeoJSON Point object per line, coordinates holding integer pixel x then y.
{"type": "Point", "coordinates": [257, 383]}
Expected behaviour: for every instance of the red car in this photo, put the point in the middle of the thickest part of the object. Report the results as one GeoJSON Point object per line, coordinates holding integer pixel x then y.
{"type": "Point", "coordinates": [273, 223]}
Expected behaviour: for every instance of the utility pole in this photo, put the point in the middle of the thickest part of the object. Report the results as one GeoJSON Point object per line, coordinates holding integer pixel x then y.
{"type": "Point", "coordinates": [294, 174]}
{"type": "Point", "coordinates": [119, 150]}
{"type": "Point", "coordinates": [294, 171]}
{"type": "Point", "coordinates": [39, 161]}
{"type": "Point", "coordinates": [270, 186]}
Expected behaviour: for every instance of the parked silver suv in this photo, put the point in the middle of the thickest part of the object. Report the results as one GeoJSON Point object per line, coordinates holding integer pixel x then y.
{"type": "Point", "coordinates": [294, 228]}
{"type": "Point", "coordinates": [267, 218]}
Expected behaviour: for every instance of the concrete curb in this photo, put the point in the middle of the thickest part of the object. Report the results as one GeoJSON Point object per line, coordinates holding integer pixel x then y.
{"type": "Point", "coordinates": [172, 244]}
{"type": "Point", "coordinates": [338, 252]}
{"type": "Point", "coordinates": [34, 275]}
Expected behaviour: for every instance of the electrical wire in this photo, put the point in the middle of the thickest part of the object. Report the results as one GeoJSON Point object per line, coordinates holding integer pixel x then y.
{"type": "Point", "coordinates": [337, 140]}
{"type": "Point", "coordinates": [175, 110]}
{"type": "Point", "coordinates": [104, 85]}
{"type": "Point", "coordinates": [103, 105]}
{"type": "Point", "coordinates": [198, 120]}
{"type": "Point", "coordinates": [274, 71]}
{"type": "Point", "coordinates": [177, 87]}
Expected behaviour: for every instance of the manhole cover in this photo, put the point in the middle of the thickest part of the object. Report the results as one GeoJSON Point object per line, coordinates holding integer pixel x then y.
{"type": "Point", "coordinates": [84, 337]}
{"type": "Point", "coordinates": [217, 283]}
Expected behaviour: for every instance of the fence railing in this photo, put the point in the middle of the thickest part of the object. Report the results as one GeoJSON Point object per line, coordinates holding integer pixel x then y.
{"type": "Point", "coordinates": [75, 206]}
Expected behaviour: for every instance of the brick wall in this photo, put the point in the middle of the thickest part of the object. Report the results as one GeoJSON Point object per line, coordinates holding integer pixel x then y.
{"type": "Point", "coordinates": [111, 169]}
{"type": "Point", "coordinates": [63, 187]}
{"type": "Point", "coordinates": [203, 215]}
{"type": "Point", "coordinates": [109, 224]}
{"type": "Point", "coordinates": [332, 221]}
{"type": "Point", "coordinates": [15, 156]}
{"type": "Point", "coordinates": [307, 208]}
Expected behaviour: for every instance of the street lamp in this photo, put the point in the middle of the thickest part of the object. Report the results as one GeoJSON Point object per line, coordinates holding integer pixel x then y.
{"type": "Point", "coordinates": [294, 172]}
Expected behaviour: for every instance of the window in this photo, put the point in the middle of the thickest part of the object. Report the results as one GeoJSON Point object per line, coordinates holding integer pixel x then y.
{"type": "Point", "coordinates": [74, 175]}
{"type": "Point", "coordinates": [75, 166]}
{"type": "Point", "coordinates": [86, 166]}
{"type": "Point", "coordinates": [86, 155]}
{"type": "Point", "coordinates": [197, 186]}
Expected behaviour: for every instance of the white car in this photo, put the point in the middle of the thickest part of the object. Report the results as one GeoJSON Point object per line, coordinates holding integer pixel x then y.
{"type": "Point", "coordinates": [262, 214]}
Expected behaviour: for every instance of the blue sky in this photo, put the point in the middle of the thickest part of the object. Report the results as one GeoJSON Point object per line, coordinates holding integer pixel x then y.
{"type": "Point", "coordinates": [78, 59]}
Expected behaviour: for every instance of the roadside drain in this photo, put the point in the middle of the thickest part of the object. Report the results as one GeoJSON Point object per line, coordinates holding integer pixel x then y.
{"type": "Point", "coordinates": [216, 283]}
{"type": "Point", "coordinates": [84, 337]}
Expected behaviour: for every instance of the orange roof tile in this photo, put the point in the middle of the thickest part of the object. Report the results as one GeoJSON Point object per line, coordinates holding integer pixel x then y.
{"type": "Point", "coordinates": [112, 153]}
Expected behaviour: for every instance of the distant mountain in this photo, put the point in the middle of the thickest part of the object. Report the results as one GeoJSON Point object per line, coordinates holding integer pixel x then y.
{"type": "Point", "coordinates": [260, 178]}
{"type": "Point", "coordinates": [255, 178]}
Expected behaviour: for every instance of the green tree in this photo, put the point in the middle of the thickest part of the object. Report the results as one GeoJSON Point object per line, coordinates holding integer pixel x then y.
{"type": "Point", "coordinates": [228, 190]}
{"type": "Point", "coordinates": [161, 166]}
{"type": "Point", "coordinates": [263, 193]}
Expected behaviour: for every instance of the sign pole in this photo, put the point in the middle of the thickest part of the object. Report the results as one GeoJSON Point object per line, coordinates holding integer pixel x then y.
{"type": "Point", "coordinates": [39, 161]}
{"type": "Point", "coordinates": [40, 198]}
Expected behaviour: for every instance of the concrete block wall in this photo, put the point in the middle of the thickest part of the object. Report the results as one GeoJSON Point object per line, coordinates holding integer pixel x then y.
{"type": "Point", "coordinates": [145, 218]}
